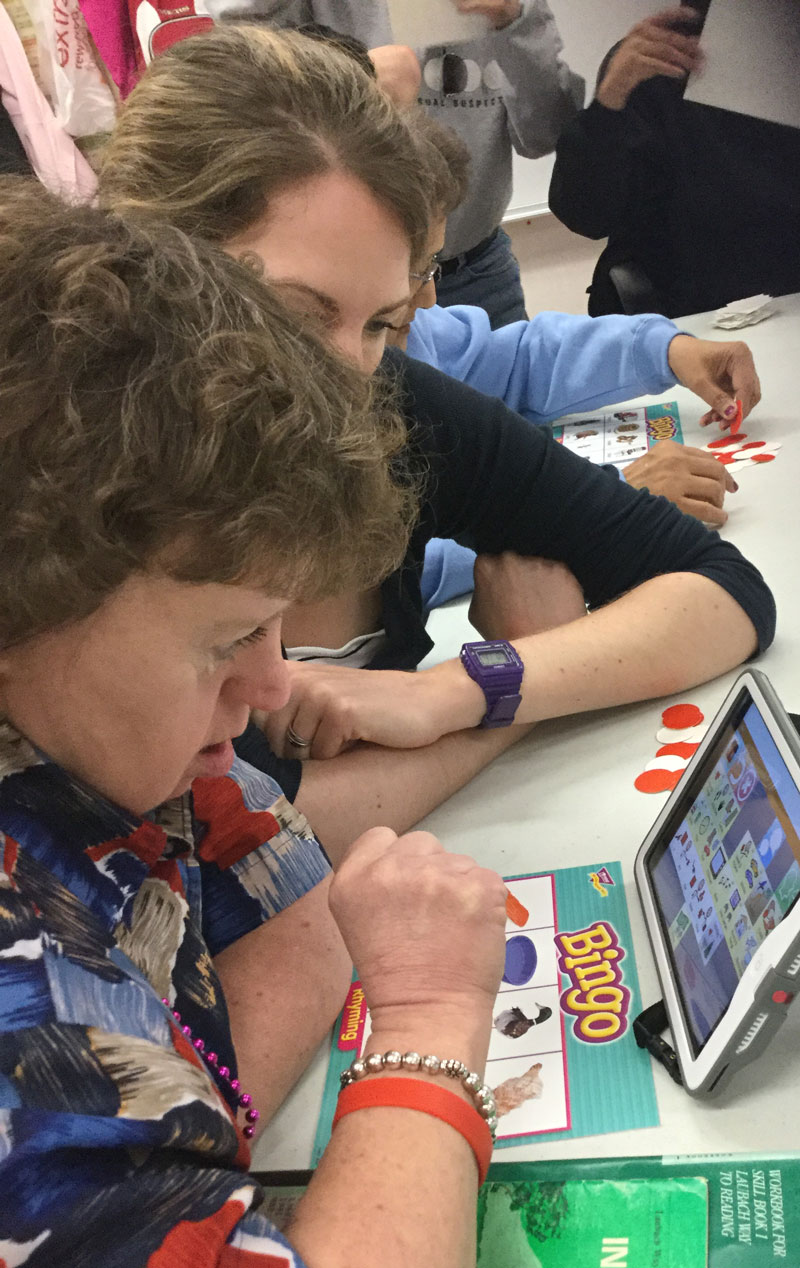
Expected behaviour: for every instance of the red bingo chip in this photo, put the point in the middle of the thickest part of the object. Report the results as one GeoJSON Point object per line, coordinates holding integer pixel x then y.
{"type": "Point", "coordinates": [726, 459]}
{"type": "Point", "coordinates": [762, 457]}
{"type": "Point", "coordinates": [679, 716]}
{"type": "Point", "coordinates": [754, 444]}
{"type": "Point", "coordinates": [682, 749]}
{"type": "Point", "coordinates": [656, 781]}
{"type": "Point", "coordinates": [722, 442]}
{"type": "Point", "coordinates": [737, 422]}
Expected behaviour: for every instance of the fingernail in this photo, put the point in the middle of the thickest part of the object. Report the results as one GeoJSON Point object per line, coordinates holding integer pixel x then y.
{"type": "Point", "coordinates": [735, 488]}
{"type": "Point", "coordinates": [730, 411]}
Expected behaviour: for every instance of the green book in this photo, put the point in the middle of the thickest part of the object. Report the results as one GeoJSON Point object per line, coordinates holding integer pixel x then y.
{"type": "Point", "coordinates": [753, 1201]}
{"type": "Point", "coordinates": [680, 1211]}
{"type": "Point", "coordinates": [593, 1224]}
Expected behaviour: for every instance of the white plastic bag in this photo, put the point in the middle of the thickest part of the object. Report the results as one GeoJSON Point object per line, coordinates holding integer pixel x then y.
{"type": "Point", "coordinates": [23, 25]}
{"type": "Point", "coordinates": [81, 99]}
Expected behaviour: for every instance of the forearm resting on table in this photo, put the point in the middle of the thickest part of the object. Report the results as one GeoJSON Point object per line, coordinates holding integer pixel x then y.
{"type": "Point", "coordinates": [295, 965]}
{"type": "Point", "coordinates": [668, 634]}
{"type": "Point", "coordinates": [395, 788]}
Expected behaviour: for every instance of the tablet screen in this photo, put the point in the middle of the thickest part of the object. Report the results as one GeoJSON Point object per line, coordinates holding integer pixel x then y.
{"type": "Point", "coordinates": [729, 868]}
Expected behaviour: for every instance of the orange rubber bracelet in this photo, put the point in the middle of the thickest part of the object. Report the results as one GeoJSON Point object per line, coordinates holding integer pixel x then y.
{"type": "Point", "coordinates": [428, 1099]}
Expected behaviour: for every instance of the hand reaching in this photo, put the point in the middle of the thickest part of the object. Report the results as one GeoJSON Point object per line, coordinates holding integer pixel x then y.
{"type": "Point", "coordinates": [652, 47]}
{"type": "Point", "coordinates": [719, 372]}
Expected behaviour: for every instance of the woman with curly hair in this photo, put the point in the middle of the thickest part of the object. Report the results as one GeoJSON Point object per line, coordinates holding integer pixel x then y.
{"type": "Point", "coordinates": [179, 461]}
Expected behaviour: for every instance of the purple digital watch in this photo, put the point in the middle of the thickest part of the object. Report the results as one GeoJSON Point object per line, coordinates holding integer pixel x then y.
{"type": "Point", "coordinates": [498, 670]}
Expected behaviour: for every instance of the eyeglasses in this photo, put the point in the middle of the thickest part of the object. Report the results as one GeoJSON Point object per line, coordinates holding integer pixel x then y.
{"type": "Point", "coordinates": [430, 275]}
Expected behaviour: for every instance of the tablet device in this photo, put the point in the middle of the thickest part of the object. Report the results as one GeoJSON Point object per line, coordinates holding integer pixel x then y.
{"type": "Point", "coordinates": [719, 879]}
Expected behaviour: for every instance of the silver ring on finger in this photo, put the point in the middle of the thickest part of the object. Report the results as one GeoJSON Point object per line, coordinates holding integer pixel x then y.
{"type": "Point", "coordinates": [296, 740]}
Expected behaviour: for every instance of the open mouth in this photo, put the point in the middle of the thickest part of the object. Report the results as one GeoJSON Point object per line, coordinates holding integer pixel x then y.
{"type": "Point", "coordinates": [215, 759]}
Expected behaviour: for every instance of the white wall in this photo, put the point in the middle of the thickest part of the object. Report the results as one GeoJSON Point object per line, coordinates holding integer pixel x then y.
{"type": "Point", "coordinates": [556, 264]}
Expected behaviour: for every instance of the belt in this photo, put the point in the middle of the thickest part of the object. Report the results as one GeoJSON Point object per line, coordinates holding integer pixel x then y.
{"type": "Point", "coordinates": [466, 257]}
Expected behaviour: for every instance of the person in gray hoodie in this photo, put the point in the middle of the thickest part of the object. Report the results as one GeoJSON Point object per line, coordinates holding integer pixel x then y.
{"type": "Point", "coordinates": [507, 91]}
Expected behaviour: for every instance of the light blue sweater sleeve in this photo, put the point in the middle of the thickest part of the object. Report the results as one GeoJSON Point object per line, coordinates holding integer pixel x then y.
{"type": "Point", "coordinates": [554, 364]}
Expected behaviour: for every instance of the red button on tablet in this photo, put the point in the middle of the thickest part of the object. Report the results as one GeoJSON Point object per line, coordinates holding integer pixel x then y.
{"type": "Point", "coordinates": [782, 997]}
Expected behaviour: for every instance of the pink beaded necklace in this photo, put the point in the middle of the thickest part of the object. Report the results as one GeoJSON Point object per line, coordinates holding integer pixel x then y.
{"type": "Point", "coordinates": [220, 1072]}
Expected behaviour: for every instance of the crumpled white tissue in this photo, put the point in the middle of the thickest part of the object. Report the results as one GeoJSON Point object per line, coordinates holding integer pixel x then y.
{"type": "Point", "coordinates": [744, 312]}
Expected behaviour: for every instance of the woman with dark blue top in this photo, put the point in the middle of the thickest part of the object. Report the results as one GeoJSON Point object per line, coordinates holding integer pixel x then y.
{"type": "Point", "coordinates": [328, 209]}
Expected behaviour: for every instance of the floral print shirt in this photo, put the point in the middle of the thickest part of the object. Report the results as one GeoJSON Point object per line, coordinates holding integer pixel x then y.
{"type": "Point", "coordinates": [118, 1146]}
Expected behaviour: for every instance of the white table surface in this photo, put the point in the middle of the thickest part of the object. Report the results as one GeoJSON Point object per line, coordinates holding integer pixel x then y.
{"type": "Point", "coordinates": [564, 796]}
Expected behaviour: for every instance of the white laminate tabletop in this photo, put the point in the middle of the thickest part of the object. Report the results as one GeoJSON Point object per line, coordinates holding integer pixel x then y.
{"type": "Point", "coordinates": [565, 797]}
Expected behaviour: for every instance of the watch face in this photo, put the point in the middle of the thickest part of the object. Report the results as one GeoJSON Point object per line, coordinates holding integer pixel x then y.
{"type": "Point", "coordinates": [497, 656]}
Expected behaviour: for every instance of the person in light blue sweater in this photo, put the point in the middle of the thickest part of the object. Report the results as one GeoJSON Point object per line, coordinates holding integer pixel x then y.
{"type": "Point", "coordinates": [543, 368]}
{"type": "Point", "coordinates": [558, 364]}
{"type": "Point", "coordinates": [551, 365]}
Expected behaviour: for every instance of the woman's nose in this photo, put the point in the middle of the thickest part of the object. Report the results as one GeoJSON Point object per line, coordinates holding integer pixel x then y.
{"type": "Point", "coordinates": [269, 686]}
{"type": "Point", "coordinates": [350, 344]}
{"type": "Point", "coordinates": [261, 677]}
{"type": "Point", "coordinates": [426, 295]}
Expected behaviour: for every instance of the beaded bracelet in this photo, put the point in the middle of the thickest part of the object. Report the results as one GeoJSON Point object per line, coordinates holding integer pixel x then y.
{"type": "Point", "coordinates": [481, 1093]}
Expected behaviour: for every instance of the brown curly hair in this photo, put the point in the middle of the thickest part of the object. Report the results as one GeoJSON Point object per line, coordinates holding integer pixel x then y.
{"type": "Point", "coordinates": [159, 407]}
{"type": "Point", "coordinates": [223, 121]}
